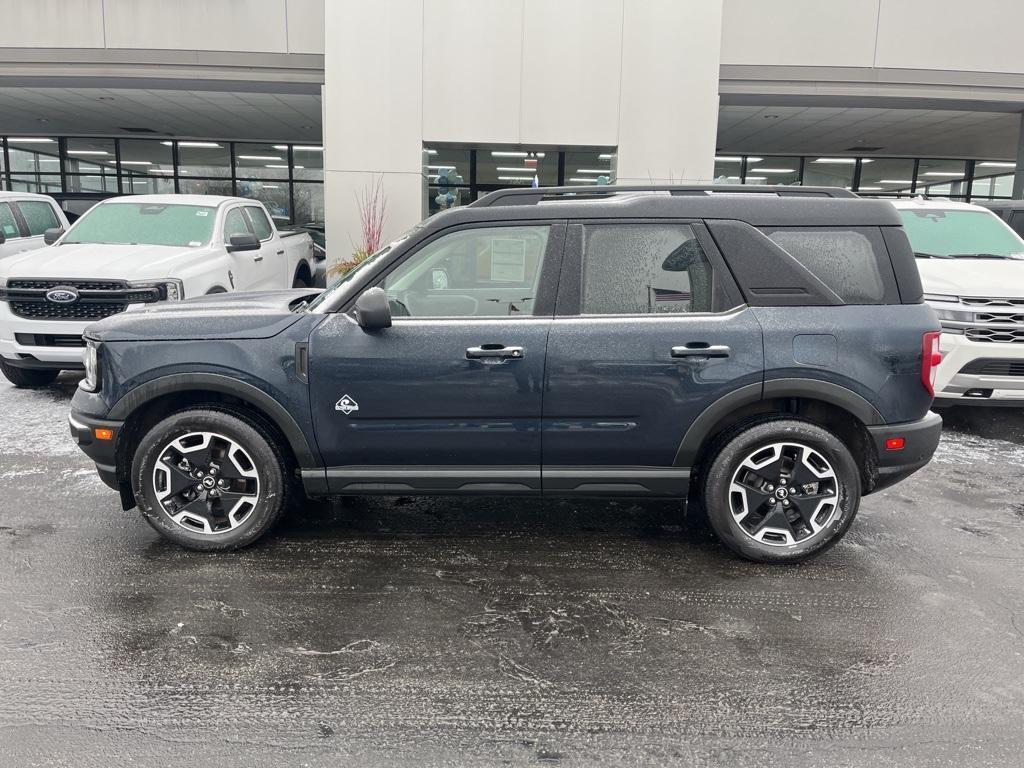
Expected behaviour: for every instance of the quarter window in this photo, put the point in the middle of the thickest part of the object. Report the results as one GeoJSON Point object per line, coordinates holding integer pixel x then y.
{"type": "Point", "coordinates": [7, 223]}
{"type": "Point", "coordinates": [843, 259]}
{"type": "Point", "coordinates": [234, 224]}
{"type": "Point", "coordinates": [644, 269]}
{"type": "Point", "coordinates": [260, 223]}
{"type": "Point", "coordinates": [485, 272]}
{"type": "Point", "coordinates": [38, 215]}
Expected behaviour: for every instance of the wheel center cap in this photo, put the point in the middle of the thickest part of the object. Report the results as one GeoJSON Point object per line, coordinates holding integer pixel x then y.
{"type": "Point", "coordinates": [208, 481]}
{"type": "Point", "coordinates": [781, 493]}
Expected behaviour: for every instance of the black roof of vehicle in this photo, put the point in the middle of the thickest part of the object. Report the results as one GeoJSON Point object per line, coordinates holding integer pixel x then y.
{"type": "Point", "coordinates": [759, 206]}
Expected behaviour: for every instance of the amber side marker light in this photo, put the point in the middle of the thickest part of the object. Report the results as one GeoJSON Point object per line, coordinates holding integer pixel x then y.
{"type": "Point", "coordinates": [895, 444]}
{"type": "Point", "coordinates": [103, 434]}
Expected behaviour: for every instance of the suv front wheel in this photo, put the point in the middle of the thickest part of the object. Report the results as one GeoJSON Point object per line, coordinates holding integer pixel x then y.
{"type": "Point", "coordinates": [209, 480]}
{"type": "Point", "coordinates": [781, 491]}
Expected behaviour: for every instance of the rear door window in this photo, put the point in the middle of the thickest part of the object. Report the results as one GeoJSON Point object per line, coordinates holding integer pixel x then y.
{"type": "Point", "coordinates": [643, 269]}
{"type": "Point", "coordinates": [1017, 222]}
{"type": "Point", "coordinates": [852, 262]}
{"type": "Point", "coordinates": [38, 215]}
{"type": "Point", "coordinates": [8, 224]}
{"type": "Point", "coordinates": [260, 223]}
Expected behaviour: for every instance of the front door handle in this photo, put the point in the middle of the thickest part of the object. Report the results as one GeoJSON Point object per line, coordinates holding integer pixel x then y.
{"type": "Point", "coordinates": [701, 349]}
{"type": "Point", "coordinates": [494, 352]}
{"type": "Point", "coordinates": [258, 258]}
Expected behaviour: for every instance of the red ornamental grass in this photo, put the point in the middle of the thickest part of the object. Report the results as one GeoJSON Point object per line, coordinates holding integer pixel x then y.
{"type": "Point", "coordinates": [373, 206]}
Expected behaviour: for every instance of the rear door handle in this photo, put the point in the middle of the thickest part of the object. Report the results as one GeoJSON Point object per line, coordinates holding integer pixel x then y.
{"type": "Point", "coordinates": [280, 253]}
{"type": "Point", "coordinates": [494, 352]}
{"type": "Point", "coordinates": [701, 349]}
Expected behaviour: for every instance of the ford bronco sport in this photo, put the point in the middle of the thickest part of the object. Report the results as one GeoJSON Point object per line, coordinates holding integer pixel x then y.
{"type": "Point", "coordinates": [766, 353]}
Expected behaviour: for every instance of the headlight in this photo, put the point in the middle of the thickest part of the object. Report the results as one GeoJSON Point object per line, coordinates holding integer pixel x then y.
{"type": "Point", "coordinates": [170, 289]}
{"type": "Point", "coordinates": [930, 297]}
{"type": "Point", "coordinates": [91, 358]}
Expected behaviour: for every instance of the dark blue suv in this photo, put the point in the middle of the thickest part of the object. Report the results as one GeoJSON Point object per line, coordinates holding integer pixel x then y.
{"type": "Point", "coordinates": [765, 354]}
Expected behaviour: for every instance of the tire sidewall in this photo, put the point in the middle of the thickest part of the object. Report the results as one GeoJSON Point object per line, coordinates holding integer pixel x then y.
{"type": "Point", "coordinates": [735, 450]}
{"type": "Point", "coordinates": [264, 456]}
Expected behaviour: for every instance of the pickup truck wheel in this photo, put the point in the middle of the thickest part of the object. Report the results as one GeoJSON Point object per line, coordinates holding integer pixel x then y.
{"type": "Point", "coordinates": [209, 480]}
{"type": "Point", "coordinates": [27, 377]}
{"type": "Point", "coordinates": [781, 491]}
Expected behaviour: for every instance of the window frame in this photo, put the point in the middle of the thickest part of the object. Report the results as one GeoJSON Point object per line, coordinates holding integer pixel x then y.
{"type": "Point", "coordinates": [726, 296]}
{"type": "Point", "coordinates": [19, 222]}
{"type": "Point", "coordinates": [547, 285]}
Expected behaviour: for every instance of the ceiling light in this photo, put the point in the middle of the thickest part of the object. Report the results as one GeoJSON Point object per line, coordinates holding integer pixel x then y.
{"type": "Point", "coordinates": [162, 170]}
{"type": "Point", "coordinates": [776, 170]}
{"type": "Point", "coordinates": [895, 181]}
{"type": "Point", "coordinates": [515, 178]}
{"type": "Point", "coordinates": [756, 178]}
{"type": "Point", "coordinates": [943, 173]}
{"type": "Point", "coordinates": [728, 159]}
{"type": "Point", "coordinates": [47, 159]}
{"type": "Point", "coordinates": [430, 151]}
{"type": "Point", "coordinates": [31, 140]}
{"type": "Point", "coordinates": [209, 144]}
{"type": "Point", "coordinates": [271, 186]}
{"type": "Point", "coordinates": [297, 167]}
{"type": "Point", "coordinates": [281, 147]}
{"type": "Point", "coordinates": [986, 164]}
{"type": "Point", "coordinates": [87, 152]}
{"type": "Point", "coordinates": [754, 159]}
{"type": "Point", "coordinates": [135, 162]}
{"type": "Point", "coordinates": [869, 189]}
{"type": "Point", "coordinates": [503, 153]}
{"type": "Point", "coordinates": [605, 157]}
{"type": "Point", "coordinates": [840, 160]}
{"type": "Point", "coordinates": [584, 180]}
{"type": "Point", "coordinates": [602, 171]}
{"type": "Point", "coordinates": [259, 157]}
{"type": "Point", "coordinates": [308, 149]}
{"type": "Point", "coordinates": [514, 169]}
{"type": "Point", "coordinates": [452, 168]}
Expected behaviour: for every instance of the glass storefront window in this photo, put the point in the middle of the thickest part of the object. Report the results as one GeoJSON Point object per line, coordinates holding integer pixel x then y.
{"type": "Point", "coordinates": [773, 171]}
{"type": "Point", "coordinates": [589, 168]}
{"type": "Point", "coordinates": [209, 159]}
{"type": "Point", "coordinates": [187, 186]}
{"type": "Point", "coordinates": [886, 176]}
{"type": "Point", "coordinates": [993, 179]}
{"type": "Point", "coordinates": [308, 159]}
{"type": "Point", "coordinates": [272, 194]}
{"type": "Point", "coordinates": [728, 168]}
{"type": "Point", "coordinates": [519, 167]}
{"type": "Point", "coordinates": [263, 161]}
{"type": "Point", "coordinates": [942, 178]}
{"type": "Point", "coordinates": [94, 156]}
{"type": "Point", "coordinates": [829, 171]}
{"type": "Point", "coordinates": [309, 203]}
{"type": "Point", "coordinates": [33, 155]}
{"type": "Point", "coordinates": [39, 183]}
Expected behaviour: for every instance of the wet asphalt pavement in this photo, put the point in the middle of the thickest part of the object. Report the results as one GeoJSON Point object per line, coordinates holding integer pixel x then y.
{"type": "Point", "coordinates": [435, 632]}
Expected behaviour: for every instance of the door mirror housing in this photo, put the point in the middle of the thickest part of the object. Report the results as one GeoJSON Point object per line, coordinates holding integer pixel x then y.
{"type": "Point", "coordinates": [372, 310]}
{"type": "Point", "coordinates": [246, 242]}
{"type": "Point", "coordinates": [52, 235]}
{"type": "Point", "coordinates": [3, 237]}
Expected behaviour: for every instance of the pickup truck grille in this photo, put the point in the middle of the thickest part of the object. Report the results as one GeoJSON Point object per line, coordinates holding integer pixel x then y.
{"type": "Point", "coordinates": [996, 335]}
{"type": "Point", "coordinates": [985, 320]}
{"type": "Point", "coordinates": [97, 298]}
{"type": "Point", "coordinates": [990, 367]}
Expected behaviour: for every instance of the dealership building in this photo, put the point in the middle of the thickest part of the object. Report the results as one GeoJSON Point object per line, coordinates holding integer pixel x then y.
{"type": "Point", "coordinates": [304, 104]}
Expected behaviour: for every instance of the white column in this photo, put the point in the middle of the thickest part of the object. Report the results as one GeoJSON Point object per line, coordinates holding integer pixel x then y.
{"type": "Point", "coordinates": [668, 109]}
{"type": "Point", "coordinates": [373, 114]}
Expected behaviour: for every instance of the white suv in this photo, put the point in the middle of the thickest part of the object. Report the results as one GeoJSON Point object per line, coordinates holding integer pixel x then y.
{"type": "Point", "coordinates": [972, 268]}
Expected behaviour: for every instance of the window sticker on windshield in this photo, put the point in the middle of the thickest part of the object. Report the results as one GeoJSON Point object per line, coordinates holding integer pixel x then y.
{"type": "Point", "coordinates": [194, 244]}
{"type": "Point", "coordinates": [508, 260]}
{"type": "Point", "coordinates": [202, 213]}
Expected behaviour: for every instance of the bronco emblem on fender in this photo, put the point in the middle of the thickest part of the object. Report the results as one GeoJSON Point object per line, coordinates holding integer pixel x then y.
{"type": "Point", "coordinates": [346, 405]}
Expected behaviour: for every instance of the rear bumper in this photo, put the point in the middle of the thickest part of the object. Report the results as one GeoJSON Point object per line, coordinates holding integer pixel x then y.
{"type": "Point", "coordinates": [102, 452]}
{"type": "Point", "coordinates": [920, 439]}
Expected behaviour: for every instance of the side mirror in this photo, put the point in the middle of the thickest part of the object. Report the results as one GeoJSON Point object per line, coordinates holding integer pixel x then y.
{"type": "Point", "coordinates": [246, 242]}
{"type": "Point", "coordinates": [372, 310]}
{"type": "Point", "coordinates": [52, 235]}
{"type": "Point", "coordinates": [3, 237]}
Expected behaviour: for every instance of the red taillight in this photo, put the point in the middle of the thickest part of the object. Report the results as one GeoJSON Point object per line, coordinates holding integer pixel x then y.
{"type": "Point", "coordinates": [895, 444]}
{"type": "Point", "coordinates": [930, 359]}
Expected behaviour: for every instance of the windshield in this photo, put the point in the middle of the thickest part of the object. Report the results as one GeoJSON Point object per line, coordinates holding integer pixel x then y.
{"type": "Point", "coordinates": [145, 224]}
{"type": "Point", "coordinates": [960, 234]}
{"type": "Point", "coordinates": [364, 266]}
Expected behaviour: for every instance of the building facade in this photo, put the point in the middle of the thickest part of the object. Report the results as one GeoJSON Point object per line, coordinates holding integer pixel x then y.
{"type": "Point", "coordinates": [306, 104]}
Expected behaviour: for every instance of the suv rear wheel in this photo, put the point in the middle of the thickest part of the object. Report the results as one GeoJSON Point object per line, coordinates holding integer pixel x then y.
{"type": "Point", "coordinates": [28, 377]}
{"type": "Point", "coordinates": [209, 480]}
{"type": "Point", "coordinates": [781, 491]}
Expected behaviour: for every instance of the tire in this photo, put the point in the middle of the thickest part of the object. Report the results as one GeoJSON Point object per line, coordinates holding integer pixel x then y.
{"type": "Point", "coordinates": [781, 491]}
{"type": "Point", "coordinates": [302, 280]}
{"type": "Point", "coordinates": [28, 378]}
{"type": "Point", "coordinates": [239, 453]}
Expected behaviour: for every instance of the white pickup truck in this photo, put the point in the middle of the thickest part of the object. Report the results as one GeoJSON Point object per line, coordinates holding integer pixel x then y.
{"type": "Point", "coordinates": [24, 218]}
{"type": "Point", "coordinates": [127, 252]}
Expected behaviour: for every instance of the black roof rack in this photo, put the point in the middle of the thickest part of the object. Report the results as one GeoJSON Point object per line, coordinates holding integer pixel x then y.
{"type": "Point", "coordinates": [534, 195]}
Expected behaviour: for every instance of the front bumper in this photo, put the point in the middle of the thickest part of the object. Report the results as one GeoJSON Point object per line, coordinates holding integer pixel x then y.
{"type": "Point", "coordinates": [36, 356]}
{"type": "Point", "coordinates": [953, 387]}
{"type": "Point", "coordinates": [920, 439]}
{"type": "Point", "coordinates": [102, 452]}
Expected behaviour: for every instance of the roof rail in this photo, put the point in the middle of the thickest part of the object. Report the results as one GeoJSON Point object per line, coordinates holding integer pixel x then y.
{"type": "Point", "coordinates": [534, 195]}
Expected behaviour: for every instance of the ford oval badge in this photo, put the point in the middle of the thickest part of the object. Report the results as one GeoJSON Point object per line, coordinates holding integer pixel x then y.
{"type": "Point", "coordinates": [62, 295]}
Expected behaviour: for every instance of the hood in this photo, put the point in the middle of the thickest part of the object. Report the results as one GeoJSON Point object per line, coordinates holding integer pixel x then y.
{"type": "Point", "coordinates": [221, 316]}
{"type": "Point", "coordinates": [103, 262]}
{"type": "Point", "coordinates": [973, 277]}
